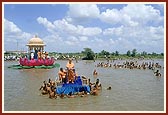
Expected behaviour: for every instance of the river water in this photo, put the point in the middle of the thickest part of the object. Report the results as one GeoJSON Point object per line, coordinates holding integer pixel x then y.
{"type": "Point", "coordinates": [132, 90]}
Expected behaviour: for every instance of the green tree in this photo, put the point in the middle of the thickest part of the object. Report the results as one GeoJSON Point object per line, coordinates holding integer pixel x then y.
{"type": "Point", "coordinates": [89, 54]}
{"type": "Point", "coordinates": [143, 53]}
{"type": "Point", "coordinates": [134, 52]}
{"type": "Point", "coordinates": [104, 53]}
{"type": "Point", "coordinates": [128, 53]}
{"type": "Point", "coordinates": [117, 53]}
{"type": "Point", "coordinates": [113, 53]}
{"type": "Point", "coordinates": [154, 54]}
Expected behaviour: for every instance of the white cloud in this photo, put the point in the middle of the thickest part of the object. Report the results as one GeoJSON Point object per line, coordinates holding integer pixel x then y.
{"type": "Point", "coordinates": [111, 16]}
{"type": "Point", "coordinates": [118, 31]}
{"type": "Point", "coordinates": [155, 33]}
{"type": "Point", "coordinates": [112, 41]}
{"type": "Point", "coordinates": [143, 13]}
{"type": "Point", "coordinates": [83, 11]}
{"type": "Point", "coordinates": [12, 30]}
{"type": "Point", "coordinates": [50, 27]}
{"type": "Point", "coordinates": [83, 38]}
{"type": "Point", "coordinates": [13, 35]}
{"type": "Point", "coordinates": [71, 35]}
{"type": "Point", "coordinates": [114, 16]}
{"type": "Point", "coordinates": [71, 43]}
{"type": "Point", "coordinates": [10, 27]}
{"type": "Point", "coordinates": [132, 15]}
{"type": "Point", "coordinates": [53, 38]}
{"type": "Point", "coordinates": [63, 25]}
{"type": "Point", "coordinates": [88, 31]}
{"type": "Point", "coordinates": [72, 38]}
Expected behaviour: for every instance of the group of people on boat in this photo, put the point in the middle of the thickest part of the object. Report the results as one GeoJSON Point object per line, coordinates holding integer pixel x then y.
{"type": "Point", "coordinates": [66, 76]}
{"type": "Point", "coordinates": [69, 75]}
{"type": "Point", "coordinates": [39, 55]}
{"type": "Point", "coordinates": [49, 88]}
{"type": "Point", "coordinates": [37, 58]}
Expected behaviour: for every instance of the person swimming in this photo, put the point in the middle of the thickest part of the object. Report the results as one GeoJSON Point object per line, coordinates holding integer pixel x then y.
{"type": "Point", "coordinates": [70, 95]}
{"type": "Point", "coordinates": [157, 73]}
{"type": "Point", "coordinates": [98, 84]}
{"type": "Point", "coordinates": [95, 72]}
{"type": "Point", "coordinates": [94, 91]}
{"type": "Point", "coordinates": [109, 88]}
{"type": "Point", "coordinates": [43, 88]}
{"type": "Point", "coordinates": [52, 93]}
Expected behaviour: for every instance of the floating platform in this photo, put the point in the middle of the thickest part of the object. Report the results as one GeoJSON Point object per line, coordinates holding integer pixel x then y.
{"type": "Point", "coordinates": [36, 67]}
{"type": "Point", "coordinates": [73, 88]}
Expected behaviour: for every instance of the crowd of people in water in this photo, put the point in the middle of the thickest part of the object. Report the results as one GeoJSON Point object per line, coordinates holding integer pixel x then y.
{"type": "Point", "coordinates": [66, 76]}
{"type": "Point", "coordinates": [150, 65]}
{"type": "Point", "coordinates": [130, 64]}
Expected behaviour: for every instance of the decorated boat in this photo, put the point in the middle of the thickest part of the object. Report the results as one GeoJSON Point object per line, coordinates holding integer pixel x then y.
{"type": "Point", "coordinates": [36, 54]}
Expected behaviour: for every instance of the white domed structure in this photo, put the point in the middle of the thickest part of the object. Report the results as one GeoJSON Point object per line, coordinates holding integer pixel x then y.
{"type": "Point", "coordinates": [36, 55]}
{"type": "Point", "coordinates": [36, 43]}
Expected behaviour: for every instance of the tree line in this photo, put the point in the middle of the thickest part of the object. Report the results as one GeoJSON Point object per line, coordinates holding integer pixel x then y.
{"type": "Point", "coordinates": [89, 54]}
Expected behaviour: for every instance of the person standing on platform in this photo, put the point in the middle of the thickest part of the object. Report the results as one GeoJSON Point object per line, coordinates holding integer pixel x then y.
{"type": "Point", "coordinates": [70, 65]}
{"type": "Point", "coordinates": [32, 55]}
{"type": "Point", "coordinates": [46, 55]}
{"type": "Point", "coordinates": [35, 54]}
{"type": "Point", "coordinates": [70, 69]}
{"type": "Point", "coordinates": [39, 54]}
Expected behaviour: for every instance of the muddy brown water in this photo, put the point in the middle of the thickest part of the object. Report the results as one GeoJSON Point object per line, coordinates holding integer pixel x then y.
{"type": "Point", "coordinates": [132, 90]}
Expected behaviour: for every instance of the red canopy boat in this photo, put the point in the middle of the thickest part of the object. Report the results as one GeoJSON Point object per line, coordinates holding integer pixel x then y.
{"type": "Point", "coordinates": [36, 62]}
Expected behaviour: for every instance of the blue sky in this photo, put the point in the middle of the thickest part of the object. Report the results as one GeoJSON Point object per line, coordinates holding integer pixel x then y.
{"type": "Point", "coordinates": [72, 27]}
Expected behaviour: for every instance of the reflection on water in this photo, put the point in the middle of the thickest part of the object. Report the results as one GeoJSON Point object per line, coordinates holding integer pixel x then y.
{"type": "Point", "coordinates": [132, 90]}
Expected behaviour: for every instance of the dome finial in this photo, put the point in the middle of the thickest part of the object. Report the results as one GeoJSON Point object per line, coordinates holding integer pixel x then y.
{"type": "Point", "coordinates": [36, 36]}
